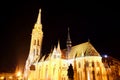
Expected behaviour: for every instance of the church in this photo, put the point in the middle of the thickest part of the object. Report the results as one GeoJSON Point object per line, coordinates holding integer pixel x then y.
{"type": "Point", "coordinates": [79, 62]}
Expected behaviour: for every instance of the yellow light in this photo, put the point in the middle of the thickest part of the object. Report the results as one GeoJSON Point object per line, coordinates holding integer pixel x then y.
{"type": "Point", "coordinates": [10, 77]}
{"type": "Point", "coordinates": [2, 77]}
{"type": "Point", "coordinates": [19, 73]}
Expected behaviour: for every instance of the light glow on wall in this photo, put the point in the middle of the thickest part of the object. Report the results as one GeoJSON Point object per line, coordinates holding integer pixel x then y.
{"type": "Point", "coordinates": [2, 77]}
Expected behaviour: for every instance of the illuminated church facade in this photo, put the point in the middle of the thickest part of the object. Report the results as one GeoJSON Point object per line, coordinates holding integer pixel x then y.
{"type": "Point", "coordinates": [80, 62]}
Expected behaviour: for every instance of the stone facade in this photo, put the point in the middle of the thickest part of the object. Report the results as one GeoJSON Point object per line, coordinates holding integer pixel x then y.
{"type": "Point", "coordinates": [80, 62]}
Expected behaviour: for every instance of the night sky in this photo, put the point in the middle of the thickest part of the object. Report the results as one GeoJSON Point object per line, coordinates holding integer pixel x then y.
{"type": "Point", "coordinates": [97, 21]}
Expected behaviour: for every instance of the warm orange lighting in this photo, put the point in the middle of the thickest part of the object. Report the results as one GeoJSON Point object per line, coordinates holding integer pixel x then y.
{"type": "Point", "coordinates": [19, 73]}
{"type": "Point", "coordinates": [2, 77]}
{"type": "Point", "coordinates": [10, 77]}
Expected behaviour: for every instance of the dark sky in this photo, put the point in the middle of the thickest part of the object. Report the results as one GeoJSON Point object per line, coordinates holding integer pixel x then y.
{"type": "Point", "coordinates": [98, 21]}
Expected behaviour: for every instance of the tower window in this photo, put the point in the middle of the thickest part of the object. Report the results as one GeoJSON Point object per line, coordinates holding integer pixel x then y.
{"type": "Point", "coordinates": [87, 64]}
{"type": "Point", "coordinates": [34, 52]}
{"type": "Point", "coordinates": [98, 64]}
{"type": "Point", "coordinates": [38, 42]}
{"type": "Point", "coordinates": [93, 72]}
{"type": "Point", "coordinates": [79, 65]}
{"type": "Point", "coordinates": [34, 42]}
{"type": "Point", "coordinates": [37, 52]}
{"type": "Point", "coordinates": [92, 64]}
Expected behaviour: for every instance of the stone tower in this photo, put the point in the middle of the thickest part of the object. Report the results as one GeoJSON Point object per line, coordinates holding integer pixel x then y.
{"type": "Point", "coordinates": [35, 45]}
{"type": "Point", "coordinates": [36, 40]}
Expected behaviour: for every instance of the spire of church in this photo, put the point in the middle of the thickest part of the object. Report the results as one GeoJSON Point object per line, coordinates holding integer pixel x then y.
{"type": "Point", "coordinates": [68, 39]}
{"type": "Point", "coordinates": [68, 43]}
{"type": "Point", "coordinates": [39, 17]}
{"type": "Point", "coordinates": [58, 46]}
{"type": "Point", "coordinates": [36, 40]}
{"type": "Point", "coordinates": [54, 50]}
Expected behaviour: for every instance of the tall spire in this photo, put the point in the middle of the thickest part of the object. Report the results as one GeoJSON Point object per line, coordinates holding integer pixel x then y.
{"type": "Point", "coordinates": [68, 34]}
{"type": "Point", "coordinates": [58, 46]}
{"type": "Point", "coordinates": [39, 17]}
{"type": "Point", "coordinates": [69, 43]}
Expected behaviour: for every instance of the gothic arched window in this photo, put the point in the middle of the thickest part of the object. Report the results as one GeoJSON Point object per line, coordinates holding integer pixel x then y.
{"type": "Point", "coordinates": [36, 51]}
{"type": "Point", "coordinates": [38, 43]}
{"type": "Point", "coordinates": [87, 64]}
{"type": "Point", "coordinates": [34, 42]}
{"type": "Point", "coordinates": [79, 65]}
{"type": "Point", "coordinates": [98, 64]}
{"type": "Point", "coordinates": [93, 72]}
{"type": "Point", "coordinates": [92, 64]}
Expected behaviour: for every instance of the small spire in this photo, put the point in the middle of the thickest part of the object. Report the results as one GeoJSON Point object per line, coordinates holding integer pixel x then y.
{"type": "Point", "coordinates": [58, 46]}
{"type": "Point", "coordinates": [68, 39]}
{"type": "Point", "coordinates": [39, 17]}
{"type": "Point", "coordinates": [68, 44]}
{"type": "Point", "coordinates": [68, 34]}
{"type": "Point", "coordinates": [54, 50]}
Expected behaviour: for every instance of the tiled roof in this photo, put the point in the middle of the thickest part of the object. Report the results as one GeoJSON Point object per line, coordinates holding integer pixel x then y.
{"type": "Point", "coordinates": [84, 49]}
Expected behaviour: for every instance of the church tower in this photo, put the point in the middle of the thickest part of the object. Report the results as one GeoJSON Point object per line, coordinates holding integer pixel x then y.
{"type": "Point", "coordinates": [68, 44]}
{"type": "Point", "coordinates": [36, 41]}
{"type": "Point", "coordinates": [35, 46]}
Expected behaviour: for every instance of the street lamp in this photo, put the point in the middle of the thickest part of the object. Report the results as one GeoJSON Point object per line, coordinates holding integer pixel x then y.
{"type": "Point", "coordinates": [105, 56]}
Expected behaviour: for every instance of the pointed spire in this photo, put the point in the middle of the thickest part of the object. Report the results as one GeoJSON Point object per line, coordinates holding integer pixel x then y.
{"type": "Point", "coordinates": [68, 35]}
{"type": "Point", "coordinates": [58, 46]}
{"type": "Point", "coordinates": [68, 39]}
{"type": "Point", "coordinates": [68, 44]}
{"type": "Point", "coordinates": [54, 50]}
{"type": "Point", "coordinates": [39, 17]}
